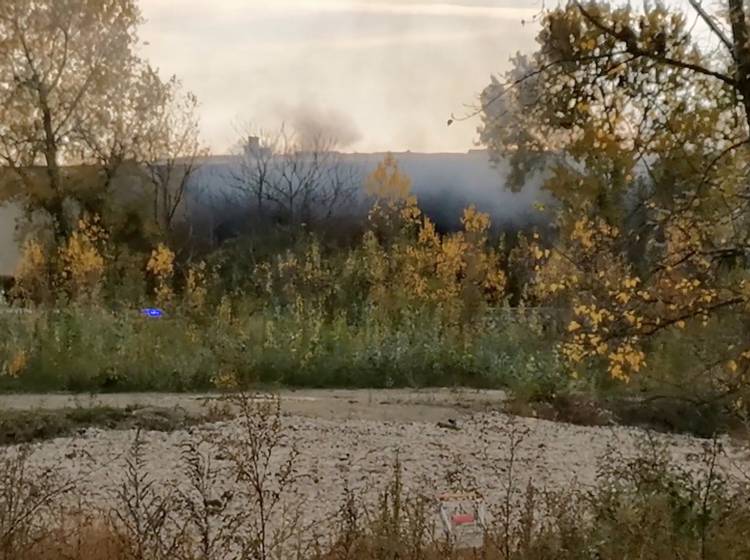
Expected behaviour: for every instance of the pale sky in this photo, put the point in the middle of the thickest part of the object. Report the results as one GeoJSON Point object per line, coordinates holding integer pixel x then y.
{"type": "Point", "coordinates": [385, 74]}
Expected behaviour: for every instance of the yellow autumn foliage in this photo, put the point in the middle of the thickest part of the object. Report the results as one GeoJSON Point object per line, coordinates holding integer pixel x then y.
{"type": "Point", "coordinates": [17, 364]}
{"type": "Point", "coordinates": [458, 272]}
{"type": "Point", "coordinates": [402, 263]}
{"type": "Point", "coordinates": [81, 259]}
{"type": "Point", "coordinates": [613, 309]}
{"type": "Point", "coordinates": [32, 272]}
{"type": "Point", "coordinates": [387, 182]}
{"type": "Point", "coordinates": [161, 267]}
{"type": "Point", "coordinates": [196, 286]}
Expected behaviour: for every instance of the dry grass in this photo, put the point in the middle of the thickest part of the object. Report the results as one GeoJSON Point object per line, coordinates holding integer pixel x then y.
{"type": "Point", "coordinates": [27, 426]}
{"type": "Point", "coordinates": [663, 414]}
{"type": "Point", "coordinates": [78, 538]}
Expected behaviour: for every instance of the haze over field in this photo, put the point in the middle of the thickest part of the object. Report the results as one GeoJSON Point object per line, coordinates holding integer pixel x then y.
{"type": "Point", "coordinates": [383, 74]}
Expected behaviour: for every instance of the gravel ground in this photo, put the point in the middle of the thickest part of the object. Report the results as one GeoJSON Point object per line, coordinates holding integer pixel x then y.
{"type": "Point", "coordinates": [354, 436]}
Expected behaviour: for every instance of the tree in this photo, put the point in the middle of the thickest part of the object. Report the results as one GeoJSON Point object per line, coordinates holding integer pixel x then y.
{"type": "Point", "coordinates": [292, 181]}
{"type": "Point", "coordinates": [60, 62]}
{"type": "Point", "coordinates": [633, 96]}
{"type": "Point", "coordinates": [171, 151]}
{"type": "Point", "coordinates": [388, 183]}
{"type": "Point", "coordinates": [643, 132]}
{"type": "Point", "coordinates": [86, 126]}
{"type": "Point", "coordinates": [394, 206]}
{"type": "Point", "coordinates": [254, 173]}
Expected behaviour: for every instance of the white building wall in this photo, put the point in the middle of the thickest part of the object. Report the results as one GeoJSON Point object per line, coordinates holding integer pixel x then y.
{"type": "Point", "coordinates": [9, 249]}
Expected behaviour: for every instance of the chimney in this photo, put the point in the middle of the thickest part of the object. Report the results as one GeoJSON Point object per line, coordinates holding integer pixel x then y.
{"type": "Point", "coordinates": [252, 147]}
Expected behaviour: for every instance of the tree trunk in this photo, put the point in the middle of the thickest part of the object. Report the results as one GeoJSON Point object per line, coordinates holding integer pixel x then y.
{"type": "Point", "coordinates": [741, 52]}
{"type": "Point", "coordinates": [55, 205]}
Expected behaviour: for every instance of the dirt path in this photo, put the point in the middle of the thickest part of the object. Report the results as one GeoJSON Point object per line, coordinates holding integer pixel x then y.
{"type": "Point", "coordinates": [396, 405]}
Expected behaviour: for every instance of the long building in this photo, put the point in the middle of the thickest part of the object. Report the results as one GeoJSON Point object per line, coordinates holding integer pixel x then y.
{"type": "Point", "coordinates": [444, 184]}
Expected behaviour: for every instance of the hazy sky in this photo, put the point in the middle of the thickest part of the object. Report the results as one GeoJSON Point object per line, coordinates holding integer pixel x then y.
{"type": "Point", "coordinates": [385, 74]}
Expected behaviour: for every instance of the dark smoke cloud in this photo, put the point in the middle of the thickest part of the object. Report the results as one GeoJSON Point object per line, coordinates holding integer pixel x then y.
{"type": "Point", "coordinates": [311, 122]}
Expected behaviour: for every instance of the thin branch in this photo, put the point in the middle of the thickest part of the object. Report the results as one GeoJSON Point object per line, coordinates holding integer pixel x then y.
{"type": "Point", "coordinates": [711, 22]}
{"type": "Point", "coordinates": [64, 62]}
{"type": "Point", "coordinates": [517, 82]}
{"type": "Point", "coordinates": [633, 48]}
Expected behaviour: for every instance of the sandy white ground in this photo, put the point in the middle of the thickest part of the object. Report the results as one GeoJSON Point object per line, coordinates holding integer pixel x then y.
{"type": "Point", "coordinates": [355, 436]}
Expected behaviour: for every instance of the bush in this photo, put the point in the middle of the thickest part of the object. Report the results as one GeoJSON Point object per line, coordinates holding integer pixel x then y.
{"type": "Point", "coordinates": [89, 348]}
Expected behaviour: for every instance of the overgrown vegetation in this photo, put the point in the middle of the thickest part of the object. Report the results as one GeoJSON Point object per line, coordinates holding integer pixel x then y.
{"type": "Point", "coordinates": [405, 306]}
{"type": "Point", "coordinates": [637, 292]}
{"type": "Point", "coordinates": [27, 426]}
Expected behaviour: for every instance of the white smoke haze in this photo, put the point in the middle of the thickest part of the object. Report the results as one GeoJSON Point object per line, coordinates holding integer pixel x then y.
{"type": "Point", "coordinates": [466, 9]}
{"type": "Point", "coordinates": [396, 68]}
{"type": "Point", "coordinates": [311, 123]}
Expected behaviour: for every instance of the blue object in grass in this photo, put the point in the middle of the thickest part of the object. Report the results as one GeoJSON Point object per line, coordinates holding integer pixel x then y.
{"type": "Point", "coordinates": [152, 312]}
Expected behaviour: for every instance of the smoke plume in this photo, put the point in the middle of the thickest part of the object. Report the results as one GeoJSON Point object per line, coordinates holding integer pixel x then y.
{"type": "Point", "coordinates": [311, 123]}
